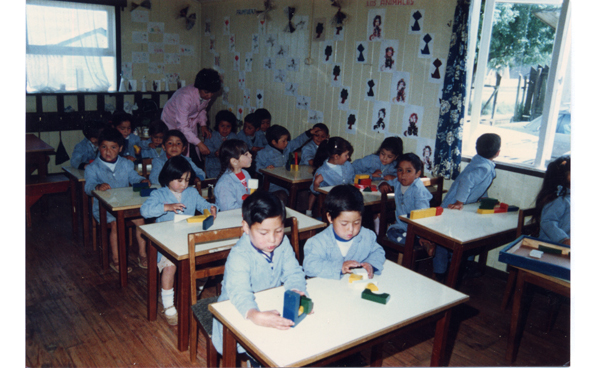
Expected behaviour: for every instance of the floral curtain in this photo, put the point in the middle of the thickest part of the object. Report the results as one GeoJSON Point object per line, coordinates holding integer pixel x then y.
{"type": "Point", "coordinates": [448, 143]}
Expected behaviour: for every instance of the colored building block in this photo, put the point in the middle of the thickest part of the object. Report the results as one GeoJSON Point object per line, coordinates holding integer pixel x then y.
{"type": "Point", "coordinates": [206, 219]}
{"type": "Point", "coordinates": [426, 212]}
{"type": "Point", "coordinates": [371, 286]}
{"type": "Point", "coordinates": [294, 167]}
{"type": "Point", "coordinates": [512, 209]}
{"type": "Point", "coordinates": [296, 307]}
{"type": "Point", "coordinates": [145, 192]}
{"type": "Point", "coordinates": [137, 149]}
{"type": "Point", "coordinates": [377, 298]}
{"type": "Point", "coordinates": [485, 212]}
{"type": "Point", "coordinates": [354, 277]}
{"type": "Point", "coordinates": [499, 208]}
{"type": "Point", "coordinates": [488, 203]}
{"type": "Point", "coordinates": [359, 177]}
{"type": "Point", "coordinates": [137, 187]}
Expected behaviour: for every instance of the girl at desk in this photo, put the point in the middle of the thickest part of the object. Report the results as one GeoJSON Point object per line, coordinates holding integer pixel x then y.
{"type": "Point", "coordinates": [382, 164]}
{"type": "Point", "coordinates": [175, 197]}
{"type": "Point", "coordinates": [553, 202]}
{"type": "Point", "coordinates": [232, 183]}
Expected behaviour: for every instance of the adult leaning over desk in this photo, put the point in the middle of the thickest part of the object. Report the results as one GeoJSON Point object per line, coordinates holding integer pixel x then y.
{"type": "Point", "coordinates": [186, 109]}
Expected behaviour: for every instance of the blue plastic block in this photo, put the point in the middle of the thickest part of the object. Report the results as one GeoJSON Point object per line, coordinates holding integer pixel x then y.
{"type": "Point", "coordinates": [208, 222]}
{"type": "Point", "coordinates": [137, 187]}
{"type": "Point", "coordinates": [292, 301]}
{"type": "Point", "coordinates": [145, 192]}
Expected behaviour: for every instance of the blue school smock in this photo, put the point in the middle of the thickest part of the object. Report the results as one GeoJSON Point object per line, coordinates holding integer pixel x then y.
{"type": "Point", "coordinates": [248, 272]}
{"type": "Point", "coordinates": [250, 141]}
{"type": "Point", "coordinates": [323, 258]}
{"type": "Point", "coordinates": [261, 139]}
{"type": "Point", "coordinates": [148, 152]}
{"type": "Point", "coordinates": [308, 151]}
{"type": "Point", "coordinates": [229, 190]}
{"type": "Point", "coordinates": [272, 156]}
{"type": "Point", "coordinates": [555, 221]}
{"type": "Point", "coordinates": [98, 173]}
{"type": "Point", "coordinates": [130, 141]}
{"type": "Point", "coordinates": [331, 177]}
{"type": "Point", "coordinates": [213, 162]}
{"type": "Point", "coordinates": [83, 152]}
{"type": "Point", "coordinates": [472, 183]}
{"type": "Point", "coordinates": [159, 162]}
{"type": "Point", "coordinates": [416, 197]}
{"type": "Point", "coordinates": [371, 163]}
{"type": "Point", "coordinates": [154, 207]}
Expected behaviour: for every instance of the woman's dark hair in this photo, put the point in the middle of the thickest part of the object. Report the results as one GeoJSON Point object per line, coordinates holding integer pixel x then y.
{"type": "Point", "coordinates": [231, 148]}
{"type": "Point", "coordinates": [488, 145]}
{"type": "Point", "coordinates": [228, 116]}
{"type": "Point", "coordinates": [392, 144]}
{"type": "Point", "coordinates": [414, 160]}
{"type": "Point", "coordinates": [377, 17]}
{"type": "Point", "coordinates": [92, 128]}
{"type": "Point", "coordinates": [330, 147]}
{"type": "Point", "coordinates": [156, 127]}
{"type": "Point", "coordinates": [343, 198]}
{"type": "Point", "coordinates": [208, 80]}
{"type": "Point", "coordinates": [262, 114]}
{"type": "Point", "coordinates": [174, 169]}
{"type": "Point", "coordinates": [253, 120]}
{"type": "Point", "coordinates": [556, 184]}
{"type": "Point", "coordinates": [120, 117]}
{"type": "Point", "coordinates": [178, 134]}
{"type": "Point", "coordinates": [389, 49]}
{"type": "Point", "coordinates": [260, 206]}
{"type": "Point", "coordinates": [111, 135]}
{"type": "Point", "coordinates": [275, 132]}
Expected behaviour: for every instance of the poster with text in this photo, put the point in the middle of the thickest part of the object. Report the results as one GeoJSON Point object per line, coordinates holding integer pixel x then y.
{"type": "Point", "coordinates": [381, 117]}
{"type": "Point", "coordinates": [388, 53]}
{"type": "Point", "coordinates": [412, 121]}
{"type": "Point", "coordinates": [399, 88]}
{"type": "Point", "coordinates": [375, 24]}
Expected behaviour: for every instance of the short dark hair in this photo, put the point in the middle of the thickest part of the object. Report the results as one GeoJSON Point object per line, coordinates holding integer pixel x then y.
{"type": "Point", "coordinates": [343, 198]}
{"type": "Point", "coordinates": [392, 144]}
{"type": "Point", "coordinates": [178, 134]}
{"type": "Point", "coordinates": [323, 127]}
{"type": "Point", "coordinates": [156, 127]}
{"type": "Point", "coordinates": [262, 114]}
{"type": "Point", "coordinates": [414, 160]}
{"type": "Point", "coordinates": [330, 147]}
{"type": "Point", "coordinates": [92, 128]}
{"type": "Point", "coordinates": [228, 116]}
{"type": "Point", "coordinates": [488, 145]}
{"type": "Point", "coordinates": [120, 117]}
{"type": "Point", "coordinates": [111, 135]}
{"type": "Point", "coordinates": [231, 148]}
{"type": "Point", "coordinates": [253, 120]}
{"type": "Point", "coordinates": [208, 80]}
{"type": "Point", "coordinates": [260, 206]}
{"type": "Point", "coordinates": [174, 169]}
{"type": "Point", "coordinates": [275, 132]}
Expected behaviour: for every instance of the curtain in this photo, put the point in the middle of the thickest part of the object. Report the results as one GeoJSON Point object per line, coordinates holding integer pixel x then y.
{"type": "Point", "coordinates": [70, 46]}
{"type": "Point", "coordinates": [448, 142]}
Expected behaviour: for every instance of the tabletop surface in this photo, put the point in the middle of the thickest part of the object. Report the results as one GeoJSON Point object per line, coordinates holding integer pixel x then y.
{"type": "Point", "coordinates": [369, 197]}
{"type": "Point", "coordinates": [304, 173]}
{"type": "Point", "coordinates": [76, 173]}
{"type": "Point", "coordinates": [341, 318]}
{"type": "Point", "coordinates": [120, 199]}
{"type": "Point", "coordinates": [467, 225]}
{"type": "Point", "coordinates": [35, 144]}
{"type": "Point", "coordinates": [173, 236]}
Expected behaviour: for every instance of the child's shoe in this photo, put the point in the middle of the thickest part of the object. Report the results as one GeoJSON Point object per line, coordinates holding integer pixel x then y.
{"type": "Point", "coordinates": [171, 318]}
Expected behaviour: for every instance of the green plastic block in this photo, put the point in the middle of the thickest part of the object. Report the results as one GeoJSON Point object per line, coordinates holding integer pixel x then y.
{"type": "Point", "coordinates": [377, 298]}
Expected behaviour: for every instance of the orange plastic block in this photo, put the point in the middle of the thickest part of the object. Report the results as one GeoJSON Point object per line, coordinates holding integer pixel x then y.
{"type": "Point", "coordinates": [366, 182]}
{"type": "Point", "coordinates": [360, 176]}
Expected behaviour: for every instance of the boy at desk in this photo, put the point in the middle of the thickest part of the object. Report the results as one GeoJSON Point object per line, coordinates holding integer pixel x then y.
{"type": "Point", "coordinates": [469, 187]}
{"type": "Point", "coordinates": [263, 258]}
{"type": "Point", "coordinates": [86, 151]}
{"type": "Point", "coordinates": [112, 171]}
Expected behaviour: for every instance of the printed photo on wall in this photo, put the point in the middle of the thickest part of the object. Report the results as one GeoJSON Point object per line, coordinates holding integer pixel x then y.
{"type": "Point", "coordinates": [381, 116]}
{"type": "Point", "coordinates": [315, 117]}
{"type": "Point", "coordinates": [371, 90]}
{"type": "Point", "coordinates": [226, 24]}
{"type": "Point", "coordinates": [399, 88]}
{"type": "Point", "coordinates": [426, 45]}
{"type": "Point", "coordinates": [207, 26]}
{"type": "Point", "coordinates": [319, 29]}
{"type": "Point", "coordinates": [255, 43]}
{"type": "Point", "coordinates": [412, 121]}
{"type": "Point", "coordinates": [268, 63]}
{"type": "Point", "coordinates": [236, 61]}
{"type": "Point", "coordinates": [248, 62]}
{"type": "Point", "coordinates": [328, 52]}
{"type": "Point", "coordinates": [415, 23]}
{"type": "Point", "coordinates": [362, 48]}
{"type": "Point", "coordinates": [388, 55]}
{"type": "Point", "coordinates": [437, 69]}
{"type": "Point", "coordinates": [260, 97]}
{"type": "Point", "coordinates": [336, 79]}
{"type": "Point", "coordinates": [375, 24]}
{"type": "Point", "coordinates": [351, 120]}
{"type": "Point", "coordinates": [425, 149]}
{"type": "Point", "coordinates": [303, 102]}
{"type": "Point", "coordinates": [291, 89]}
{"type": "Point", "coordinates": [344, 98]}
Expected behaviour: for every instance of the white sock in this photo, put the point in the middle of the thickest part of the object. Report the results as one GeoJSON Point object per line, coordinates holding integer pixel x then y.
{"type": "Point", "coordinates": [167, 301]}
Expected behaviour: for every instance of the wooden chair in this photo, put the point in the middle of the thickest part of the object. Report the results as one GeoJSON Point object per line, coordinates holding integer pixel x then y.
{"type": "Point", "coordinates": [438, 183]}
{"type": "Point", "coordinates": [145, 163]}
{"type": "Point", "coordinates": [204, 184]}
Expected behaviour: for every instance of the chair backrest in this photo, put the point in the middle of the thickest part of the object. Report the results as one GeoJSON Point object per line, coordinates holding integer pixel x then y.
{"type": "Point", "coordinates": [437, 182]}
{"type": "Point", "coordinates": [204, 184]}
{"type": "Point", "coordinates": [529, 228]}
{"type": "Point", "coordinates": [292, 223]}
{"type": "Point", "coordinates": [145, 163]}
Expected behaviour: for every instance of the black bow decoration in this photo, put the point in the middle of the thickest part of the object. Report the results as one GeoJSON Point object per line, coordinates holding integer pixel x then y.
{"type": "Point", "coordinates": [262, 14]}
{"type": "Point", "coordinates": [190, 20]}
{"type": "Point", "coordinates": [144, 4]}
{"type": "Point", "coordinates": [340, 17]}
{"type": "Point", "coordinates": [289, 11]}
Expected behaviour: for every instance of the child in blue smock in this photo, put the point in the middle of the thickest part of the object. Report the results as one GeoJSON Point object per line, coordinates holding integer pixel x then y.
{"type": "Point", "coordinates": [174, 144]}
{"type": "Point", "coordinates": [332, 164]}
{"type": "Point", "coordinates": [264, 117]}
{"type": "Point", "coordinates": [112, 171]}
{"type": "Point", "coordinates": [152, 148]}
{"type": "Point", "coordinates": [469, 187]}
{"type": "Point", "coordinates": [175, 197]}
{"type": "Point", "coordinates": [262, 259]}
{"type": "Point", "coordinates": [232, 184]}
{"type": "Point", "coordinates": [225, 123]}
{"type": "Point", "coordinates": [345, 244]}
{"type": "Point", "coordinates": [382, 164]}
{"type": "Point", "coordinates": [87, 150]}
{"type": "Point", "coordinates": [553, 203]}
{"type": "Point", "coordinates": [123, 122]}
{"type": "Point", "coordinates": [410, 194]}
{"type": "Point", "coordinates": [309, 150]}
{"type": "Point", "coordinates": [249, 133]}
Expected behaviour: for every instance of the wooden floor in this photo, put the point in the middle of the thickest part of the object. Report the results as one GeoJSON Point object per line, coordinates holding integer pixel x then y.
{"type": "Point", "coordinates": [76, 314]}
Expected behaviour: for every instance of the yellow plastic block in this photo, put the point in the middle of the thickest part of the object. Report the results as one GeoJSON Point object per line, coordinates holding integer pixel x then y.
{"type": "Point", "coordinates": [419, 214]}
{"type": "Point", "coordinates": [354, 277]}
{"type": "Point", "coordinates": [294, 167]}
{"type": "Point", "coordinates": [485, 212]}
{"type": "Point", "coordinates": [371, 286]}
{"type": "Point", "coordinates": [199, 218]}
{"type": "Point", "coordinates": [360, 176]}
{"type": "Point", "coordinates": [137, 149]}
{"type": "Point", "coordinates": [300, 311]}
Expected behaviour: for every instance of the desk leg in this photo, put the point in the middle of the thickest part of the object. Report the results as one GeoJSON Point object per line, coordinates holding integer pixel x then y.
{"type": "Point", "coordinates": [517, 321]}
{"type": "Point", "coordinates": [229, 348]}
{"type": "Point", "coordinates": [292, 198]}
{"type": "Point", "coordinates": [184, 303]}
{"type": "Point", "coordinates": [266, 183]}
{"type": "Point", "coordinates": [438, 355]}
{"type": "Point", "coordinates": [407, 260]}
{"type": "Point", "coordinates": [454, 267]}
{"type": "Point", "coordinates": [152, 281]}
{"type": "Point", "coordinates": [74, 217]}
{"type": "Point", "coordinates": [322, 207]}
{"type": "Point", "coordinates": [377, 355]}
{"type": "Point", "coordinates": [104, 237]}
{"type": "Point", "coordinates": [122, 248]}
{"type": "Point", "coordinates": [85, 214]}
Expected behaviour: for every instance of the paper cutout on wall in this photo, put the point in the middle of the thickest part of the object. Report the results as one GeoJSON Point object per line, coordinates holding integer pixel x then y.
{"type": "Point", "coordinates": [139, 37]}
{"type": "Point", "coordinates": [292, 64]}
{"type": "Point", "coordinates": [438, 100]}
{"type": "Point", "coordinates": [225, 95]}
{"type": "Point", "coordinates": [231, 40]}
{"type": "Point", "coordinates": [226, 24]}
{"type": "Point", "coordinates": [279, 76]}
{"type": "Point", "coordinates": [212, 44]}
{"type": "Point", "coordinates": [262, 26]}
{"type": "Point", "coordinates": [242, 80]}
{"type": "Point", "coordinates": [260, 98]}
{"type": "Point", "coordinates": [381, 117]}
{"type": "Point", "coordinates": [315, 117]}
{"type": "Point", "coordinates": [236, 61]}
{"type": "Point", "coordinates": [412, 121]}
{"type": "Point", "coordinates": [415, 24]}
{"type": "Point", "coordinates": [302, 22]}
{"type": "Point", "coordinates": [172, 58]}
{"type": "Point", "coordinates": [336, 71]}
{"type": "Point", "coordinates": [156, 47]}
{"type": "Point", "coordinates": [156, 68]}
{"type": "Point", "coordinates": [351, 119]}
{"type": "Point", "coordinates": [144, 4]}
{"type": "Point", "coordinates": [327, 52]}
{"type": "Point", "coordinates": [399, 88]}
{"type": "Point", "coordinates": [140, 16]}
{"type": "Point", "coordinates": [338, 33]}
{"type": "Point", "coordinates": [371, 90]}
{"type": "Point", "coordinates": [425, 149]}
{"type": "Point", "coordinates": [388, 54]}
{"type": "Point", "coordinates": [239, 113]}
{"type": "Point", "coordinates": [375, 25]}
{"type": "Point", "coordinates": [186, 50]}
{"type": "Point", "coordinates": [207, 31]}
{"type": "Point", "coordinates": [303, 102]}
{"type": "Point", "coordinates": [291, 89]}
{"type": "Point", "coordinates": [140, 57]}
{"type": "Point", "coordinates": [156, 27]}
{"type": "Point", "coordinates": [248, 62]}
{"type": "Point", "coordinates": [246, 99]}
{"type": "Point", "coordinates": [281, 51]}
{"type": "Point", "coordinates": [268, 63]}
{"type": "Point", "coordinates": [255, 43]}
{"type": "Point", "coordinates": [362, 50]}
{"type": "Point", "coordinates": [270, 41]}
{"type": "Point", "coordinates": [344, 98]}
{"type": "Point", "coordinates": [437, 69]}
{"type": "Point", "coordinates": [318, 30]}
{"type": "Point", "coordinates": [171, 39]}
{"type": "Point", "coordinates": [426, 46]}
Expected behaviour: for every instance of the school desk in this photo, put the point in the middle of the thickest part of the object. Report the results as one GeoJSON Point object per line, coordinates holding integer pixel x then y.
{"type": "Point", "coordinates": [36, 155]}
{"type": "Point", "coordinates": [292, 180]}
{"type": "Point", "coordinates": [171, 240]}
{"type": "Point", "coordinates": [342, 323]}
{"type": "Point", "coordinates": [522, 301]}
{"type": "Point", "coordinates": [77, 180]}
{"type": "Point", "coordinates": [463, 232]}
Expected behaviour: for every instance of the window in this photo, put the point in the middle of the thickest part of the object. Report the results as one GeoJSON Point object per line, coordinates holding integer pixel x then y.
{"type": "Point", "coordinates": [521, 85]}
{"type": "Point", "coordinates": [71, 46]}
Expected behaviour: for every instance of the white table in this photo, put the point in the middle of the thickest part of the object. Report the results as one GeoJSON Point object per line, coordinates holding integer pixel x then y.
{"type": "Point", "coordinates": [342, 322]}
{"type": "Point", "coordinates": [171, 239]}
{"type": "Point", "coordinates": [461, 231]}
{"type": "Point", "coordinates": [292, 180]}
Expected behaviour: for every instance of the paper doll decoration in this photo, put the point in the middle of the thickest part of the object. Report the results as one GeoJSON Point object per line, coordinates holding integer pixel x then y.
{"type": "Point", "coordinates": [328, 52]}
{"type": "Point", "coordinates": [262, 14]}
{"type": "Point", "coordinates": [376, 35]}
{"type": "Point", "coordinates": [319, 29]}
{"type": "Point", "coordinates": [370, 90]}
{"type": "Point", "coordinates": [335, 75]}
{"type": "Point", "coordinates": [344, 95]}
{"type": "Point", "coordinates": [416, 27]}
{"type": "Point", "coordinates": [259, 98]}
{"type": "Point", "coordinates": [289, 11]}
{"type": "Point", "coordinates": [190, 20]}
{"type": "Point", "coordinates": [270, 41]}
{"type": "Point", "coordinates": [380, 123]}
{"type": "Point", "coordinates": [375, 22]}
{"type": "Point", "coordinates": [399, 88]}
{"type": "Point", "coordinates": [381, 118]}
{"type": "Point", "coordinates": [436, 73]}
{"type": "Point", "coordinates": [292, 65]}
{"type": "Point", "coordinates": [401, 91]}
{"type": "Point", "coordinates": [336, 72]}
{"type": "Point", "coordinates": [361, 57]}
{"type": "Point", "coordinates": [268, 63]}
{"type": "Point", "coordinates": [343, 101]}
{"type": "Point", "coordinates": [144, 4]}
{"type": "Point", "coordinates": [351, 121]}
{"type": "Point", "coordinates": [412, 125]}
{"type": "Point", "coordinates": [427, 38]}
{"type": "Point", "coordinates": [389, 59]}
{"type": "Point", "coordinates": [427, 163]}
{"type": "Point", "coordinates": [412, 120]}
